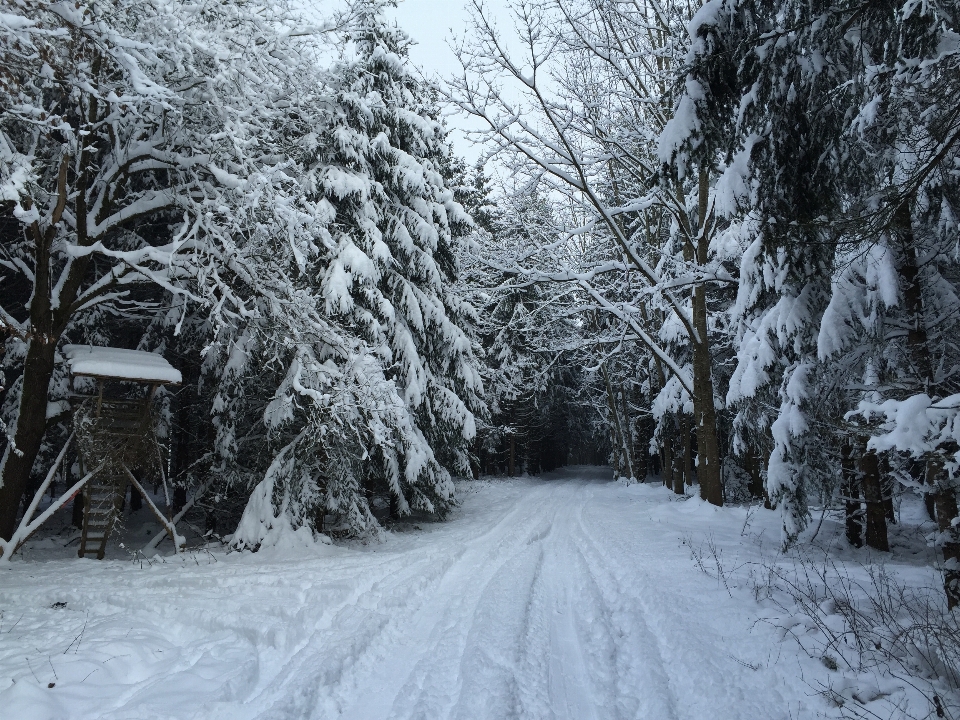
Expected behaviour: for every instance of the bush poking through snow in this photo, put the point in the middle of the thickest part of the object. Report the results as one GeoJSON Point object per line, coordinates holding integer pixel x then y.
{"type": "Point", "coordinates": [893, 644]}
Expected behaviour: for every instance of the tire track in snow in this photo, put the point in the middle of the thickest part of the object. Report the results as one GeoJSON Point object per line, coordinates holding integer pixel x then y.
{"type": "Point", "coordinates": [679, 610]}
{"type": "Point", "coordinates": [430, 683]}
{"type": "Point", "coordinates": [521, 643]}
{"type": "Point", "coordinates": [390, 626]}
{"type": "Point", "coordinates": [645, 689]}
{"type": "Point", "coordinates": [569, 676]}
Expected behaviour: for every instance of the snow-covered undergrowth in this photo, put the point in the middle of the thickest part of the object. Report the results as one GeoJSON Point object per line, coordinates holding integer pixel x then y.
{"type": "Point", "coordinates": [877, 621]}
{"type": "Point", "coordinates": [566, 596]}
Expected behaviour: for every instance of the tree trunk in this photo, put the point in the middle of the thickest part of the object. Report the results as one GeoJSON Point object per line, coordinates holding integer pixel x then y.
{"type": "Point", "coordinates": [921, 473]}
{"type": "Point", "coordinates": [179, 498]}
{"type": "Point", "coordinates": [621, 453]}
{"type": "Point", "coordinates": [851, 495]}
{"type": "Point", "coordinates": [687, 450]}
{"type": "Point", "coordinates": [31, 423]}
{"type": "Point", "coordinates": [944, 498]}
{"type": "Point", "coordinates": [628, 436]}
{"type": "Point", "coordinates": [876, 535]}
{"type": "Point", "coordinates": [947, 508]}
{"type": "Point", "coordinates": [946, 501]}
{"type": "Point", "coordinates": [708, 446]}
{"type": "Point", "coordinates": [886, 485]}
{"type": "Point", "coordinates": [667, 465]}
{"type": "Point", "coordinates": [136, 500]}
{"type": "Point", "coordinates": [512, 468]}
{"type": "Point", "coordinates": [754, 467]}
{"type": "Point", "coordinates": [678, 458]}
{"type": "Point", "coordinates": [76, 512]}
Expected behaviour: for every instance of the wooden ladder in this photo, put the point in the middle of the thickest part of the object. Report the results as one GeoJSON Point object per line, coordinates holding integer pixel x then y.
{"type": "Point", "coordinates": [102, 504]}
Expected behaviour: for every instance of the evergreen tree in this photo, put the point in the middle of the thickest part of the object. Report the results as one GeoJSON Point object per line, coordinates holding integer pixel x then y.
{"type": "Point", "coordinates": [384, 279]}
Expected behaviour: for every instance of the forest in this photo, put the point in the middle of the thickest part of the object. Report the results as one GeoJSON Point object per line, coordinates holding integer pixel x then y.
{"type": "Point", "coordinates": [708, 245]}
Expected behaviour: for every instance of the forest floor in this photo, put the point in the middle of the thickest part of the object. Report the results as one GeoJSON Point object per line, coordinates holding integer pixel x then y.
{"type": "Point", "coordinates": [563, 596]}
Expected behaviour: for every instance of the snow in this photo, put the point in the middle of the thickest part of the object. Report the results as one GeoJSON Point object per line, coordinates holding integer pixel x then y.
{"type": "Point", "coordinates": [120, 364]}
{"type": "Point", "coordinates": [567, 596]}
{"type": "Point", "coordinates": [684, 124]}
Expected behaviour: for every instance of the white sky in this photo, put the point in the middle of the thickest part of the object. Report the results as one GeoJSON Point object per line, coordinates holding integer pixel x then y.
{"type": "Point", "coordinates": [432, 23]}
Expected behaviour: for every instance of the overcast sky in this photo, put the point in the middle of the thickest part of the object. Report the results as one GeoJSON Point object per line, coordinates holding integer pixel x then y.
{"type": "Point", "coordinates": [431, 23]}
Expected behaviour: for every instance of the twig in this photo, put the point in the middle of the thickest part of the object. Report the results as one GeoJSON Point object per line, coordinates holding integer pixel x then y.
{"type": "Point", "coordinates": [817, 531]}
{"type": "Point", "coordinates": [16, 623]}
{"type": "Point", "coordinates": [33, 673]}
{"type": "Point", "coordinates": [79, 638]}
{"type": "Point", "coordinates": [751, 509]}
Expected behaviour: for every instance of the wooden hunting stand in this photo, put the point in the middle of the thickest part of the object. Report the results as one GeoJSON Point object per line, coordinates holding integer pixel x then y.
{"type": "Point", "coordinates": [115, 433]}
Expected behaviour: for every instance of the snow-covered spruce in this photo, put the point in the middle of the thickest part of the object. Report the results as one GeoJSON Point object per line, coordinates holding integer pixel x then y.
{"type": "Point", "coordinates": [378, 383]}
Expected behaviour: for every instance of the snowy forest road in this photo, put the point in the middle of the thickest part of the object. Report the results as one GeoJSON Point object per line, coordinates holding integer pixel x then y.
{"type": "Point", "coordinates": [567, 596]}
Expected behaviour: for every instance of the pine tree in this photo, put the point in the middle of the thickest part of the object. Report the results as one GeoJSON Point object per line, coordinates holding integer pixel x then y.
{"type": "Point", "coordinates": [384, 281]}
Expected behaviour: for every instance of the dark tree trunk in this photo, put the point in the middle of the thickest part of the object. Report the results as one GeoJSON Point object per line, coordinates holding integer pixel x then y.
{"type": "Point", "coordinates": [667, 454]}
{"type": "Point", "coordinates": [687, 450]}
{"type": "Point", "coordinates": [851, 496]}
{"type": "Point", "coordinates": [945, 498]}
{"type": "Point", "coordinates": [76, 512]}
{"type": "Point", "coordinates": [930, 503]}
{"type": "Point", "coordinates": [886, 484]}
{"type": "Point", "coordinates": [876, 534]}
{"type": "Point", "coordinates": [705, 413]}
{"type": "Point", "coordinates": [946, 510]}
{"type": "Point", "coordinates": [15, 467]}
{"type": "Point", "coordinates": [678, 458]}
{"type": "Point", "coordinates": [179, 498]}
{"type": "Point", "coordinates": [136, 500]}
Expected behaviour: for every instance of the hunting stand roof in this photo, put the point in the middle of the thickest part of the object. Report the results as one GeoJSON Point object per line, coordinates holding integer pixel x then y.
{"type": "Point", "coordinates": [116, 364]}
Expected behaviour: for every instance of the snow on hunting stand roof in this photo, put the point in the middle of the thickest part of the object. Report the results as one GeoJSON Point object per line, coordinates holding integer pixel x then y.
{"type": "Point", "coordinates": [119, 364]}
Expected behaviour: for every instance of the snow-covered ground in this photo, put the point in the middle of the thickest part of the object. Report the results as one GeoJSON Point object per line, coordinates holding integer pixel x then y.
{"type": "Point", "coordinates": [566, 596]}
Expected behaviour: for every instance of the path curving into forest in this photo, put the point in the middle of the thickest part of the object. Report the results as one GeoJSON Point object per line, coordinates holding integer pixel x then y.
{"type": "Point", "coordinates": [566, 596]}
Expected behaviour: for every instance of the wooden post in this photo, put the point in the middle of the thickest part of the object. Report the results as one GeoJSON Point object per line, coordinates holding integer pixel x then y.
{"type": "Point", "coordinates": [171, 529]}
